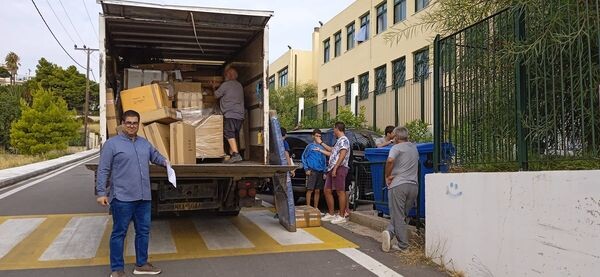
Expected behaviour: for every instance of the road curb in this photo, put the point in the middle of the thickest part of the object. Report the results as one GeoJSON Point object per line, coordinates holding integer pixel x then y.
{"type": "Point", "coordinates": [13, 180]}
{"type": "Point", "coordinates": [370, 220]}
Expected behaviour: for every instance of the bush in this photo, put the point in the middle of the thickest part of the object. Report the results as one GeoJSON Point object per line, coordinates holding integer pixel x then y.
{"type": "Point", "coordinates": [10, 97]}
{"type": "Point", "coordinates": [344, 115]}
{"type": "Point", "coordinates": [418, 131]}
{"type": "Point", "coordinates": [44, 126]}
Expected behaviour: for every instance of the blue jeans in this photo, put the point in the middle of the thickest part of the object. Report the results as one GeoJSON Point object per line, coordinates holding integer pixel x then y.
{"type": "Point", "coordinates": [123, 213]}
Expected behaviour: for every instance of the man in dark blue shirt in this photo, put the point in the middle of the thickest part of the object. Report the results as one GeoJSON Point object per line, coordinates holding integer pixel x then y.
{"type": "Point", "coordinates": [124, 160]}
{"type": "Point", "coordinates": [314, 164]}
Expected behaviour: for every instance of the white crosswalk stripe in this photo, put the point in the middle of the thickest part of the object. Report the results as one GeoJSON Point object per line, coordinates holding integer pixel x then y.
{"type": "Point", "coordinates": [220, 233]}
{"type": "Point", "coordinates": [161, 239]}
{"type": "Point", "coordinates": [13, 231]}
{"type": "Point", "coordinates": [264, 220]}
{"type": "Point", "coordinates": [80, 239]}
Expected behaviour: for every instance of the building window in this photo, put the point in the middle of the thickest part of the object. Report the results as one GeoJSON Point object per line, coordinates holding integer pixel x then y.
{"type": "Point", "coordinates": [381, 17]}
{"type": "Point", "coordinates": [337, 88]}
{"type": "Point", "coordinates": [326, 51]}
{"type": "Point", "coordinates": [363, 86]}
{"type": "Point", "coordinates": [420, 4]}
{"type": "Point", "coordinates": [399, 10]}
{"type": "Point", "coordinates": [348, 87]}
{"type": "Point", "coordinates": [324, 94]}
{"type": "Point", "coordinates": [272, 82]}
{"type": "Point", "coordinates": [283, 77]}
{"type": "Point", "coordinates": [380, 75]}
{"type": "Point", "coordinates": [363, 33]}
{"type": "Point", "coordinates": [337, 46]}
{"type": "Point", "coordinates": [421, 64]}
{"type": "Point", "coordinates": [350, 36]}
{"type": "Point", "coordinates": [399, 72]}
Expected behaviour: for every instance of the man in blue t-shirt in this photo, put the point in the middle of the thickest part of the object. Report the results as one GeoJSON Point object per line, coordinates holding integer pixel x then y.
{"type": "Point", "coordinates": [314, 164]}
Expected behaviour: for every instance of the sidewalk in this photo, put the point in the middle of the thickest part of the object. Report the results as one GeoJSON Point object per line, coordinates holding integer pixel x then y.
{"type": "Point", "coordinates": [14, 175]}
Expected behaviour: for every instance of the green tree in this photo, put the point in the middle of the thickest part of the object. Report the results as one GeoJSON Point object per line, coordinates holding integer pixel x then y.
{"type": "Point", "coordinates": [44, 126]}
{"type": "Point", "coordinates": [344, 115]}
{"type": "Point", "coordinates": [418, 131]}
{"type": "Point", "coordinates": [10, 97]}
{"type": "Point", "coordinates": [66, 83]}
{"type": "Point", "coordinates": [12, 65]}
{"type": "Point", "coordinates": [284, 101]}
{"type": "Point", "coordinates": [4, 73]}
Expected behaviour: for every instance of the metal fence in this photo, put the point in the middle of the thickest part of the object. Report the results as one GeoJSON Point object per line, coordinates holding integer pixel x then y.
{"type": "Point", "coordinates": [519, 90]}
{"type": "Point", "coordinates": [394, 106]}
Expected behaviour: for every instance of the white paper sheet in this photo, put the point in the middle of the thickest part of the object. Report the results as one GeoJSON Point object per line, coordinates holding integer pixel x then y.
{"type": "Point", "coordinates": [171, 175]}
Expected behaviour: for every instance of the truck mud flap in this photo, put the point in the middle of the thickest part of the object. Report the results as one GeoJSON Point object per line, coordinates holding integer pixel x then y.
{"type": "Point", "coordinates": [282, 183]}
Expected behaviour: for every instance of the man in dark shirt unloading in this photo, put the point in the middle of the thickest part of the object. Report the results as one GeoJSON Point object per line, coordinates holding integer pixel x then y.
{"type": "Point", "coordinates": [231, 96]}
{"type": "Point", "coordinates": [124, 161]}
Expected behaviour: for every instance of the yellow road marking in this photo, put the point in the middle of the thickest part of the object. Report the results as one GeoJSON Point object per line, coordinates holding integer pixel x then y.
{"type": "Point", "coordinates": [189, 243]}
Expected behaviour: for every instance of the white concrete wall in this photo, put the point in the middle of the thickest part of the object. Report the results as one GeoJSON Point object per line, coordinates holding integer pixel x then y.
{"type": "Point", "coordinates": [515, 224]}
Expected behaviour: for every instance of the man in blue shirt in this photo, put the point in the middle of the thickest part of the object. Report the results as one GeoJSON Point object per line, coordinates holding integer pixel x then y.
{"type": "Point", "coordinates": [314, 164]}
{"type": "Point", "coordinates": [124, 166]}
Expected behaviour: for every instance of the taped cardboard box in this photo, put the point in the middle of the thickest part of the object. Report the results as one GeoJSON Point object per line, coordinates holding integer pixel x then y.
{"type": "Point", "coordinates": [164, 115]}
{"type": "Point", "coordinates": [183, 143]}
{"type": "Point", "coordinates": [159, 136]}
{"type": "Point", "coordinates": [209, 132]}
{"type": "Point", "coordinates": [111, 114]}
{"type": "Point", "coordinates": [144, 99]}
{"type": "Point", "coordinates": [307, 216]}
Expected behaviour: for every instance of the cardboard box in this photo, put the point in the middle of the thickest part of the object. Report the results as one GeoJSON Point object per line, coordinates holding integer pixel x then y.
{"type": "Point", "coordinates": [159, 136]}
{"type": "Point", "coordinates": [111, 114]}
{"type": "Point", "coordinates": [133, 78]}
{"type": "Point", "coordinates": [163, 115]}
{"type": "Point", "coordinates": [144, 99]}
{"type": "Point", "coordinates": [152, 76]}
{"type": "Point", "coordinates": [183, 143]}
{"type": "Point", "coordinates": [307, 216]}
{"type": "Point", "coordinates": [209, 137]}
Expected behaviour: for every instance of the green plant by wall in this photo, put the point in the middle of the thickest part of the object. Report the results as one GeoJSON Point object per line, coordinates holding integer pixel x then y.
{"type": "Point", "coordinates": [344, 115]}
{"type": "Point", "coordinates": [418, 131]}
{"type": "Point", "coordinates": [44, 126]}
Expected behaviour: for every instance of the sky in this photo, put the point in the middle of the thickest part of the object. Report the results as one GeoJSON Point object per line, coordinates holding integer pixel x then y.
{"type": "Point", "coordinates": [24, 31]}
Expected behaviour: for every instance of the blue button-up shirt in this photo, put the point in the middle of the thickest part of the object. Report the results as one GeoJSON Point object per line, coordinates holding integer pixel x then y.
{"type": "Point", "coordinates": [125, 161]}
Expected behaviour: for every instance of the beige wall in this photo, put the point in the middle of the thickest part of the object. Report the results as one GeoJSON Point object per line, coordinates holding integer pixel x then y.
{"type": "Point", "coordinates": [304, 67]}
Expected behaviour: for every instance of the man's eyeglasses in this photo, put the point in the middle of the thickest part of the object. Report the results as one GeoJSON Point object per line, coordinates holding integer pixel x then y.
{"type": "Point", "coordinates": [131, 123]}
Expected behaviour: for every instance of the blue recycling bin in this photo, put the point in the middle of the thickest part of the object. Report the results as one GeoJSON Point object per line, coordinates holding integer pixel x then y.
{"type": "Point", "coordinates": [379, 155]}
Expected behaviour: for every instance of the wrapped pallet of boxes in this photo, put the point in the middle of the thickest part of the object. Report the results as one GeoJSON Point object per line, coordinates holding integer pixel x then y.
{"type": "Point", "coordinates": [183, 143]}
{"type": "Point", "coordinates": [151, 102]}
{"type": "Point", "coordinates": [159, 136]}
{"type": "Point", "coordinates": [209, 131]}
{"type": "Point", "coordinates": [111, 114]}
{"type": "Point", "coordinates": [307, 216]}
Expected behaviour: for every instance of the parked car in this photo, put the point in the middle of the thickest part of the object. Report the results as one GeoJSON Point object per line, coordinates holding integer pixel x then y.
{"type": "Point", "coordinates": [298, 139]}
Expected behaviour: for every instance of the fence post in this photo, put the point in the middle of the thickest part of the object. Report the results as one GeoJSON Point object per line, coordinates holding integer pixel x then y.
{"type": "Point", "coordinates": [356, 106]}
{"type": "Point", "coordinates": [374, 110]}
{"type": "Point", "coordinates": [324, 109]}
{"type": "Point", "coordinates": [337, 106]}
{"type": "Point", "coordinates": [396, 111]}
{"type": "Point", "coordinates": [437, 107]}
{"type": "Point", "coordinates": [423, 97]}
{"type": "Point", "coordinates": [520, 91]}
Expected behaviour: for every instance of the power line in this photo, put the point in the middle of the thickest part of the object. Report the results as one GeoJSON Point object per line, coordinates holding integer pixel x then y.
{"type": "Point", "coordinates": [60, 22]}
{"type": "Point", "coordinates": [90, 18]}
{"type": "Point", "coordinates": [54, 36]}
{"type": "Point", "coordinates": [69, 18]}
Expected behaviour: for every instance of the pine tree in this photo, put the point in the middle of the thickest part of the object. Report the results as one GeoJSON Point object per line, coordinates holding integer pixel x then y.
{"type": "Point", "coordinates": [44, 126]}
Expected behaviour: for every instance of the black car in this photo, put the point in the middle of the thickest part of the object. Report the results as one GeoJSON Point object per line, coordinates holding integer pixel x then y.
{"type": "Point", "coordinates": [360, 139]}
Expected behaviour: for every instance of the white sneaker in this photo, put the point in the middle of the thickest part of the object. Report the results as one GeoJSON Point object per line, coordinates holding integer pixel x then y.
{"type": "Point", "coordinates": [386, 240]}
{"type": "Point", "coordinates": [338, 219]}
{"type": "Point", "coordinates": [327, 217]}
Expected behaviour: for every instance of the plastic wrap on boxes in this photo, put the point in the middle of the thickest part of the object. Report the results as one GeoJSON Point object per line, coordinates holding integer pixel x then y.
{"type": "Point", "coordinates": [209, 131]}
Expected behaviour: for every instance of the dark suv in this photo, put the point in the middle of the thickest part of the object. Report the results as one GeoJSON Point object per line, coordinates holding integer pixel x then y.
{"type": "Point", "coordinates": [359, 140]}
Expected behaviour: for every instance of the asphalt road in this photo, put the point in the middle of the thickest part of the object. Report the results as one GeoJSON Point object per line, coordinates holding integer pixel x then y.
{"type": "Point", "coordinates": [63, 197]}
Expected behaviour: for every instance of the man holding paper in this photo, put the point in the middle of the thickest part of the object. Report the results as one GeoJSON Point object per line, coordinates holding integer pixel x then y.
{"type": "Point", "coordinates": [124, 161]}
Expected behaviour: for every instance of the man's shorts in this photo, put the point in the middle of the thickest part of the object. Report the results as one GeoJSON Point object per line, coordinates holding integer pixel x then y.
{"type": "Point", "coordinates": [339, 181]}
{"type": "Point", "coordinates": [232, 127]}
{"type": "Point", "coordinates": [314, 180]}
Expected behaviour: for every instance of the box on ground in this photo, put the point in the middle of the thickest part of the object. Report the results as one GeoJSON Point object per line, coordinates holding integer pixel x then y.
{"type": "Point", "coordinates": [307, 216]}
{"type": "Point", "coordinates": [144, 99]}
{"type": "Point", "coordinates": [183, 143]}
{"type": "Point", "coordinates": [163, 115]}
{"type": "Point", "coordinates": [159, 136]}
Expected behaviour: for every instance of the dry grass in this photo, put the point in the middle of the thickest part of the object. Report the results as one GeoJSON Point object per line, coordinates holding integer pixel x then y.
{"type": "Point", "coordinates": [8, 160]}
{"type": "Point", "coordinates": [416, 255]}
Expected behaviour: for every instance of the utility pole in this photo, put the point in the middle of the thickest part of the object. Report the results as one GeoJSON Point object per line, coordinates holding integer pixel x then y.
{"type": "Point", "coordinates": [86, 109]}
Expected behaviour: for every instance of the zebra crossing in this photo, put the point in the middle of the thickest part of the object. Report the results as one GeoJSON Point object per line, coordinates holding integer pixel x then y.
{"type": "Point", "coordinates": [50, 241]}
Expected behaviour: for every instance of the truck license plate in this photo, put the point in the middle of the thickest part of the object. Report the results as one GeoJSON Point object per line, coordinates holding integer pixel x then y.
{"type": "Point", "coordinates": [186, 206]}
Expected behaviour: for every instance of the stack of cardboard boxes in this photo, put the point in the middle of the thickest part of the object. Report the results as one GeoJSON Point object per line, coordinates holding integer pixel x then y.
{"type": "Point", "coordinates": [307, 216]}
{"type": "Point", "coordinates": [191, 130]}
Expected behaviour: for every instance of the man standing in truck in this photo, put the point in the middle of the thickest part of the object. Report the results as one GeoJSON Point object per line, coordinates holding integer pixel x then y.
{"type": "Point", "coordinates": [231, 98]}
{"type": "Point", "coordinates": [124, 161]}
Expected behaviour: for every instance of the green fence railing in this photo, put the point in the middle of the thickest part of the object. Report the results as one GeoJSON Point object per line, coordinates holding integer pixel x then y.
{"type": "Point", "coordinates": [520, 89]}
